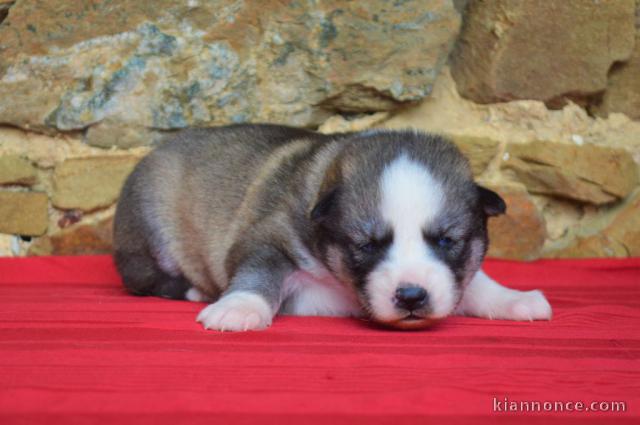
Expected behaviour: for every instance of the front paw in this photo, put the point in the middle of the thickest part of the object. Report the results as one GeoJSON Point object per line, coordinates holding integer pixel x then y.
{"type": "Point", "coordinates": [237, 311]}
{"type": "Point", "coordinates": [527, 306]}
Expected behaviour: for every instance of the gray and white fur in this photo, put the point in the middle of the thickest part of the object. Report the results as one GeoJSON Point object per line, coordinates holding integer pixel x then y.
{"type": "Point", "coordinates": [266, 219]}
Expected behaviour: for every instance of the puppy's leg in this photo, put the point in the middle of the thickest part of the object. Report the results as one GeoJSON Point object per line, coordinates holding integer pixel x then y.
{"type": "Point", "coordinates": [484, 297]}
{"type": "Point", "coordinates": [142, 275]}
{"type": "Point", "coordinates": [253, 296]}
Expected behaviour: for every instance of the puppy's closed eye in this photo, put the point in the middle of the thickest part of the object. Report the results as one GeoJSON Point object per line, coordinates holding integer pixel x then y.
{"type": "Point", "coordinates": [440, 241]}
{"type": "Point", "coordinates": [373, 245]}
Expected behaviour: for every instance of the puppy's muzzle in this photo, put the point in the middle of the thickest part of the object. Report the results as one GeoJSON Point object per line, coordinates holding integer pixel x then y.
{"type": "Point", "coordinates": [411, 297]}
{"type": "Point", "coordinates": [412, 301]}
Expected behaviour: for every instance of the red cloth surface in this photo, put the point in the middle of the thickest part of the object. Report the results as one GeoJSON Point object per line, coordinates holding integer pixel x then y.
{"type": "Point", "coordinates": [75, 348]}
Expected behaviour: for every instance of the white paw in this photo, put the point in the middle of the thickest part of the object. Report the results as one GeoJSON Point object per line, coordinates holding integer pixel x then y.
{"type": "Point", "coordinates": [530, 305]}
{"type": "Point", "coordinates": [237, 311]}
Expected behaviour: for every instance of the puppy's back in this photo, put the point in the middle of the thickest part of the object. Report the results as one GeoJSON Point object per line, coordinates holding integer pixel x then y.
{"type": "Point", "coordinates": [179, 210]}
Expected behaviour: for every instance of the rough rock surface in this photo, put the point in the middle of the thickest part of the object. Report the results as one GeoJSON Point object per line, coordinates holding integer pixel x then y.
{"type": "Point", "coordinates": [594, 246]}
{"type": "Point", "coordinates": [24, 213]}
{"type": "Point", "coordinates": [623, 87]}
{"type": "Point", "coordinates": [121, 73]}
{"type": "Point", "coordinates": [45, 152]}
{"type": "Point", "coordinates": [585, 173]}
{"type": "Point", "coordinates": [479, 150]}
{"type": "Point", "coordinates": [4, 8]}
{"type": "Point", "coordinates": [16, 170]}
{"type": "Point", "coordinates": [79, 239]}
{"type": "Point", "coordinates": [445, 111]}
{"type": "Point", "coordinates": [90, 183]}
{"type": "Point", "coordinates": [162, 64]}
{"type": "Point", "coordinates": [619, 237]}
{"type": "Point", "coordinates": [542, 50]}
{"type": "Point", "coordinates": [340, 124]}
{"type": "Point", "coordinates": [520, 233]}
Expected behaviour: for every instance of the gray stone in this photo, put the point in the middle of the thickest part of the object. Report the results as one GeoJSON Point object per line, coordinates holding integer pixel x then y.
{"type": "Point", "coordinates": [164, 64]}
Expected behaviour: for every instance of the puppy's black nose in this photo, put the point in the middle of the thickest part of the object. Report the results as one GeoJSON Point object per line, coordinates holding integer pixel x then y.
{"type": "Point", "coordinates": [411, 297]}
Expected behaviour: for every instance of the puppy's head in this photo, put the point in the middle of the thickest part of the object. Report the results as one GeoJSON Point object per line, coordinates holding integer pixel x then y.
{"type": "Point", "coordinates": [400, 219]}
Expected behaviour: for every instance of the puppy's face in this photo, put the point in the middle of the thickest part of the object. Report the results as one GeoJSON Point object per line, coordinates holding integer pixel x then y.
{"type": "Point", "coordinates": [404, 224]}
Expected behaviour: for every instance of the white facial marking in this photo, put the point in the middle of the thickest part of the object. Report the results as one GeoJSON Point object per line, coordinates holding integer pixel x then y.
{"type": "Point", "coordinates": [237, 311]}
{"type": "Point", "coordinates": [411, 199]}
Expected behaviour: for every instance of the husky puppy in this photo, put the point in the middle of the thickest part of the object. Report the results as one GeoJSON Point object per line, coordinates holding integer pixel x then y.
{"type": "Point", "coordinates": [266, 219]}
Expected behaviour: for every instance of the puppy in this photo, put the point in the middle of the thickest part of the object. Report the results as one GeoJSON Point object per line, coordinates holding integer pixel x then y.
{"type": "Point", "coordinates": [266, 219]}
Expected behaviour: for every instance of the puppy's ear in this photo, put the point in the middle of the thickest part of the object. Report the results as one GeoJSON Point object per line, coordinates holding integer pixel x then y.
{"type": "Point", "coordinates": [491, 202]}
{"type": "Point", "coordinates": [323, 207]}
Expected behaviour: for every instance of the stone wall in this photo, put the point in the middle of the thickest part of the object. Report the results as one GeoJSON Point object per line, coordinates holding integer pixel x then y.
{"type": "Point", "coordinates": [543, 97]}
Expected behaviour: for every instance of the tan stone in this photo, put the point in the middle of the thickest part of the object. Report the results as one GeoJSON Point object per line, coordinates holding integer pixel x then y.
{"type": "Point", "coordinates": [520, 233]}
{"type": "Point", "coordinates": [544, 179]}
{"type": "Point", "coordinates": [106, 134]}
{"type": "Point", "coordinates": [586, 173]}
{"type": "Point", "coordinates": [23, 213]}
{"type": "Point", "coordinates": [619, 236]}
{"type": "Point", "coordinates": [90, 183]}
{"type": "Point", "coordinates": [625, 227]}
{"type": "Point", "coordinates": [165, 64]}
{"type": "Point", "coordinates": [623, 88]}
{"type": "Point", "coordinates": [444, 111]}
{"type": "Point", "coordinates": [47, 151]}
{"type": "Point", "coordinates": [479, 150]}
{"type": "Point", "coordinates": [339, 124]}
{"type": "Point", "coordinates": [594, 246]}
{"type": "Point", "coordinates": [16, 170]}
{"type": "Point", "coordinates": [542, 50]}
{"type": "Point", "coordinates": [79, 239]}
{"type": "Point", "coordinates": [562, 216]}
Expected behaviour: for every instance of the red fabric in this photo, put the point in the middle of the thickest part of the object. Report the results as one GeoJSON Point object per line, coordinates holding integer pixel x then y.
{"type": "Point", "coordinates": [74, 348]}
